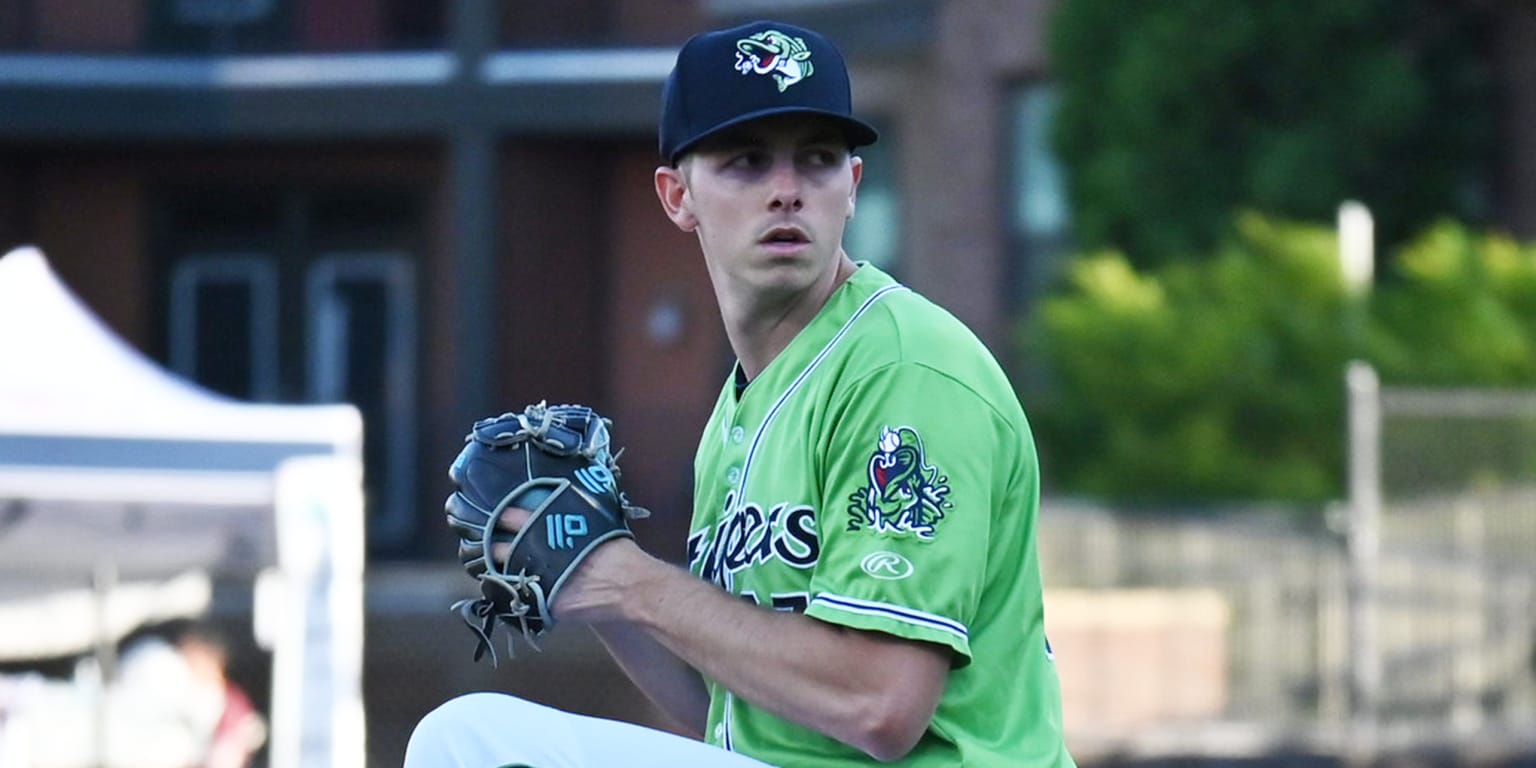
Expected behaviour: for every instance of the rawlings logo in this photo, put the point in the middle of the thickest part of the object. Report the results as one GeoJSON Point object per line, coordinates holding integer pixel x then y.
{"type": "Point", "coordinates": [773, 52]}
{"type": "Point", "coordinates": [905, 493]}
{"type": "Point", "coordinates": [887, 566]}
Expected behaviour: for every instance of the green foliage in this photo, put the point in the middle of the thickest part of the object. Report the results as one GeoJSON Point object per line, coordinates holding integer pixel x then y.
{"type": "Point", "coordinates": [1222, 378]}
{"type": "Point", "coordinates": [1174, 115]}
{"type": "Point", "coordinates": [1196, 380]}
{"type": "Point", "coordinates": [1462, 311]}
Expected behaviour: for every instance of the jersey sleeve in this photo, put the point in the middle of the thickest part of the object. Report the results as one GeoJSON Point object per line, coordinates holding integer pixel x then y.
{"type": "Point", "coordinates": [910, 485]}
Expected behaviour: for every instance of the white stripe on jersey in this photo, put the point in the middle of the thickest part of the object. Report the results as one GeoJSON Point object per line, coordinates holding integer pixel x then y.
{"type": "Point", "coordinates": [725, 720]}
{"type": "Point", "coordinates": [757, 439]}
{"type": "Point", "coordinates": [896, 612]}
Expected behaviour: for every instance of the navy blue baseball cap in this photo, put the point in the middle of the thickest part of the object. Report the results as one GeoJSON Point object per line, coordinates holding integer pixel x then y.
{"type": "Point", "coordinates": [730, 76]}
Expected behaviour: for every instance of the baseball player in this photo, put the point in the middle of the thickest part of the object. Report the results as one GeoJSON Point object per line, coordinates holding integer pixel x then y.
{"type": "Point", "coordinates": [863, 583]}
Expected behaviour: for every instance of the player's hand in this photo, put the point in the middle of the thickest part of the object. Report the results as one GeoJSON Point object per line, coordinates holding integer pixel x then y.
{"type": "Point", "coordinates": [512, 520]}
{"type": "Point", "coordinates": [557, 460]}
{"type": "Point", "coordinates": [593, 592]}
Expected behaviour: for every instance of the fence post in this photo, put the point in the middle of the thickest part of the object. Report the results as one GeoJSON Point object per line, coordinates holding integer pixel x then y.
{"type": "Point", "coordinates": [1470, 640]}
{"type": "Point", "coordinates": [1364, 537]}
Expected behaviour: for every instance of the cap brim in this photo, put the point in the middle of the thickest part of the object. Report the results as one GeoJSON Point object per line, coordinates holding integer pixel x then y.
{"type": "Point", "coordinates": [858, 132]}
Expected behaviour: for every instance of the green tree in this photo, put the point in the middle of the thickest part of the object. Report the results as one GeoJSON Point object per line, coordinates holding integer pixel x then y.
{"type": "Point", "coordinates": [1222, 377]}
{"type": "Point", "coordinates": [1460, 311]}
{"type": "Point", "coordinates": [1174, 115]}
{"type": "Point", "coordinates": [1211, 379]}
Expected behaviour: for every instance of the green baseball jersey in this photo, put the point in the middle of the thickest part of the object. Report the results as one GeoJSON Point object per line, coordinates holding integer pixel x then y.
{"type": "Point", "coordinates": [880, 474]}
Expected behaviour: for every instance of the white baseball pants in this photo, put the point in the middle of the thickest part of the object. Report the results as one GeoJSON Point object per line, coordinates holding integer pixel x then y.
{"type": "Point", "coordinates": [493, 730]}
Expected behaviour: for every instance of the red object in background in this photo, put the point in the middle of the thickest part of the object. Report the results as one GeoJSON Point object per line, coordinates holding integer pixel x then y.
{"type": "Point", "coordinates": [239, 734]}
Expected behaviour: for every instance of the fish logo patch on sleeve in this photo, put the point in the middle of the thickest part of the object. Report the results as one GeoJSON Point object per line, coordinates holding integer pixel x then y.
{"type": "Point", "coordinates": [904, 494]}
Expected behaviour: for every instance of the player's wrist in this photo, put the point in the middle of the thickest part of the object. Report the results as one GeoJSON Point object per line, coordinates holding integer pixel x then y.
{"type": "Point", "coordinates": [599, 591]}
{"type": "Point", "coordinates": [662, 597]}
{"type": "Point", "coordinates": [635, 572]}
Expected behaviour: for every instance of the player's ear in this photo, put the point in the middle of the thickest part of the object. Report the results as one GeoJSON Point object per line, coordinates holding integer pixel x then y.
{"type": "Point", "coordinates": [672, 190]}
{"type": "Point", "coordinates": [856, 164]}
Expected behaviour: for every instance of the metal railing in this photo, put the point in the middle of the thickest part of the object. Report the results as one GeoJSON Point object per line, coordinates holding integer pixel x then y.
{"type": "Point", "coordinates": [1401, 621]}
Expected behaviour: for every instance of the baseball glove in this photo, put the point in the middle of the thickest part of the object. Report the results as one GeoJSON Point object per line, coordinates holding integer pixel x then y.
{"type": "Point", "coordinates": [555, 462]}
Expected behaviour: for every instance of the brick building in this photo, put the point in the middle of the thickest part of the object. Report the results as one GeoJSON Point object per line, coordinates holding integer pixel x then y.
{"type": "Point", "coordinates": [442, 210]}
{"type": "Point", "coordinates": [437, 210]}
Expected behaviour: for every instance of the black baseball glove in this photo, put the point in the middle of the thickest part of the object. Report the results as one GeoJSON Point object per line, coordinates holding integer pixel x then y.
{"type": "Point", "coordinates": [554, 461]}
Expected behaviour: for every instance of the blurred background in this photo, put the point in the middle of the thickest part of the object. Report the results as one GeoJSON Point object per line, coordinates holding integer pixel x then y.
{"type": "Point", "coordinates": [1260, 271]}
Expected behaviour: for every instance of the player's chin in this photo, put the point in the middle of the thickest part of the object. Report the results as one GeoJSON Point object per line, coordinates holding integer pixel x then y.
{"type": "Point", "coordinates": [787, 271]}
{"type": "Point", "coordinates": [782, 284]}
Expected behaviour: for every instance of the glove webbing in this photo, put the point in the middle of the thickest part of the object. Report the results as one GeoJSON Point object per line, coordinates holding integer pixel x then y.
{"type": "Point", "coordinates": [481, 614]}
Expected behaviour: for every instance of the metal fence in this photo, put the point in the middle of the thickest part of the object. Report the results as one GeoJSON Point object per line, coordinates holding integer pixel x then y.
{"type": "Point", "coordinates": [1455, 589]}
{"type": "Point", "coordinates": [1280, 682]}
{"type": "Point", "coordinates": [1401, 622]}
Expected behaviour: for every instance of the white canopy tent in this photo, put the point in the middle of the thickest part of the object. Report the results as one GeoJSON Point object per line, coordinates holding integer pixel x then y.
{"type": "Point", "coordinates": [114, 471]}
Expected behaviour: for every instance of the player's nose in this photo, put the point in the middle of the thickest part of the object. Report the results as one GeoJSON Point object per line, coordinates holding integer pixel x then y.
{"type": "Point", "coordinates": [784, 187]}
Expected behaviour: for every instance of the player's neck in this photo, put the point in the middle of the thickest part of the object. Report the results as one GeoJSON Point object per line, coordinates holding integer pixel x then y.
{"type": "Point", "coordinates": [760, 329]}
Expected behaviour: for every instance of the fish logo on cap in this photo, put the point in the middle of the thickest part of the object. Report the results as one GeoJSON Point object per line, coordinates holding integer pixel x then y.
{"type": "Point", "coordinates": [787, 59]}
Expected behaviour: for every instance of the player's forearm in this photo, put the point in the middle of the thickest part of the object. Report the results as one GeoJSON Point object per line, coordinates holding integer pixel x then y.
{"type": "Point", "coordinates": [872, 691]}
{"type": "Point", "coordinates": [666, 680]}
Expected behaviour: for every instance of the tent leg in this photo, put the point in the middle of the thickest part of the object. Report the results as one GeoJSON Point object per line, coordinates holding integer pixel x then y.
{"type": "Point", "coordinates": [103, 581]}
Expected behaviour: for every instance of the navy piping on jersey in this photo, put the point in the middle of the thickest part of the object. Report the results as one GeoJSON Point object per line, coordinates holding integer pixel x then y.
{"type": "Point", "coordinates": [905, 615]}
{"type": "Point", "coordinates": [727, 742]}
{"type": "Point", "coordinates": [757, 439]}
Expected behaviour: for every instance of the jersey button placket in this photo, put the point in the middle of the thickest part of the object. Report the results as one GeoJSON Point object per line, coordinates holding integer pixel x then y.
{"type": "Point", "coordinates": [737, 435]}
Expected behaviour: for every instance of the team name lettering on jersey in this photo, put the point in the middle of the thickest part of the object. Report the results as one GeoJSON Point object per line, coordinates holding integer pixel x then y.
{"type": "Point", "coordinates": [748, 536]}
{"type": "Point", "coordinates": [905, 494]}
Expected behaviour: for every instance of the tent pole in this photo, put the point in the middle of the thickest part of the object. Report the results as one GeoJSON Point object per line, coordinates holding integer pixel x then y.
{"type": "Point", "coordinates": [103, 581]}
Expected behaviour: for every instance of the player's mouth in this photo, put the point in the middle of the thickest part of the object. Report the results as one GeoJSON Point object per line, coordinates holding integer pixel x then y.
{"type": "Point", "coordinates": [785, 238]}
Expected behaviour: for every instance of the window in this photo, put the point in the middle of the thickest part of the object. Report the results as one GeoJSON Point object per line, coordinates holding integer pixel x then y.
{"type": "Point", "coordinates": [220, 12]}
{"type": "Point", "coordinates": [223, 320]}
{"type": "Point", "coordinates": [220, 27]}
{"type": "Point", "coordinates": [1038, 218]}
{"type": "Point", "coordinates": [288, 294]}
{"type": "Point", "coordinates": [361, 316]}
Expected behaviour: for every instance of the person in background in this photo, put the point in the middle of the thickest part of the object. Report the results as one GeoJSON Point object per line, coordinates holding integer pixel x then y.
{"type": "Point", "coordinates": [171, 705]}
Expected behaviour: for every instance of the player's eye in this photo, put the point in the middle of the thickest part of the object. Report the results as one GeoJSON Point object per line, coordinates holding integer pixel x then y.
{"type": "Point", "coordinates": [823, 156]}
{"type": "Point", "coordinates": [748, 160]}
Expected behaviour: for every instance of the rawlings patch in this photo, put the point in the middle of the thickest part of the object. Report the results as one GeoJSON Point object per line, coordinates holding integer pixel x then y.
{"type": "Point", "coordinates": [905, 493]}
{"type": "Point", "coordinates": [887, 566]}
{"type": "Point", "coordinates": [774, 53]}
